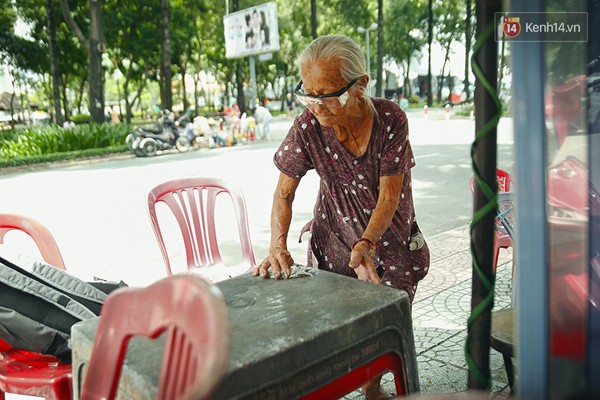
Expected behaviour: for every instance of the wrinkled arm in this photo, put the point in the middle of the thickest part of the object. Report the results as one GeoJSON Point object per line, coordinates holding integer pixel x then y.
{"type": "Point", "coordinates": [390, 188]}
{"type": "Point", "coordinates": [279, 258]}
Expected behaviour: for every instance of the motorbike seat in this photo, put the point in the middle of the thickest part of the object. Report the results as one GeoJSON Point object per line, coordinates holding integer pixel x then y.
{"type": "Point", "coordinates": [163, 136]}
{"type": "Point", "coordinates": [153, 129]}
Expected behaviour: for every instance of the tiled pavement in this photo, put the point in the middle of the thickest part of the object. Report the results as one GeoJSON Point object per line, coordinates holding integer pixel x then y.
{"type": "Point", "coordinates": [440, 312]}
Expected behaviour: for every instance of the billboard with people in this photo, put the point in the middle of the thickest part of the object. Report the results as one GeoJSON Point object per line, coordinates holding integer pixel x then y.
{"type": "Point", "coordinates": [251, 31]}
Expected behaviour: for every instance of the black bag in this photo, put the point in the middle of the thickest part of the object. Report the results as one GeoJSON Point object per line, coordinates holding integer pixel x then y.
{"type": "Point", "coordinates": [38, 307]}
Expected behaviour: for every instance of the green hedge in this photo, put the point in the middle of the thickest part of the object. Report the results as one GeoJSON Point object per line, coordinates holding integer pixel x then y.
{"type": "Point", "coordinates": [52, 143]}
{"type": "Point", "coordinates": [79, 119]}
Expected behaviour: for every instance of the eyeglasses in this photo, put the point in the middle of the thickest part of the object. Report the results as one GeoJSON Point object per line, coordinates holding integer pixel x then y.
{"type": "Point", "coordinates": [331, 101]}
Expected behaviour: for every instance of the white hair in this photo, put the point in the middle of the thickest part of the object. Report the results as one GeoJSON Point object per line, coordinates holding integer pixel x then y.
{"type": "Point", "coordinates": [351, 59]}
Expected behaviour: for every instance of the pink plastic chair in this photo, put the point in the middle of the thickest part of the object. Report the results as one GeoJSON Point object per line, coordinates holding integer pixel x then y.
{"type": "Point", "coordinates": [23, 372]}
{"type": "Point", "coordinates": [38, 232]}
{"type": "Point", "coordinates": [192, 202]}
{"type": "Point", "coordinates": [195, 318]}
{"type": "Point", "coordinates": [502, 239]}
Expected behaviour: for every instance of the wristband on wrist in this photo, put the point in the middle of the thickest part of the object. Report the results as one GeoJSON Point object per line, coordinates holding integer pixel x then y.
{"type": "Point", "coordinates": [372, 248]}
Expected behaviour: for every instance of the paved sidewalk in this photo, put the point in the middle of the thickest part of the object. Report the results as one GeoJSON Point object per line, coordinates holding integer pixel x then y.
{"type": "Point", "coordinates": [440, 312]}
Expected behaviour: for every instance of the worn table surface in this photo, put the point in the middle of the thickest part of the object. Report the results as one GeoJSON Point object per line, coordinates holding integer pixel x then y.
{"type": "Point", "coordinates": [287, 337]}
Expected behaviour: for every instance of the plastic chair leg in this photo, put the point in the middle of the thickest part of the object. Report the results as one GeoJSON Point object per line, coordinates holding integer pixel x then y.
{"type": "Point", "coordinates": [359, 376]}
{"type": "Point", "coordinates": [510, 375]}
{"type": "Point", "coordinates": [496, 256]}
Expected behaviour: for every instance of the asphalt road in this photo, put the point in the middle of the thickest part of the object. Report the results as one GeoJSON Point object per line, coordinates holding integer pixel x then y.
{"type": "Point", "coordinates": [97, 210]}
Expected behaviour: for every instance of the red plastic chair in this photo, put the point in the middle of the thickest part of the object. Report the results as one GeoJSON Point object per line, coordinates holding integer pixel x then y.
{"type": "Point", "coordinates": [502, 239]}
{"type": "Point", "coordinates": [23, 372]}
{"type": "Point", "coordinates": [38, 232]}
{"type": "Point", "coordinates": [192, 202]}
{"type": "Point", "coordinates": [195, 318]}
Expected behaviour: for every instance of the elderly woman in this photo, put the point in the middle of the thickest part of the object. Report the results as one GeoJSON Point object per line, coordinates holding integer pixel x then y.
{"type": "Point", "coordinates": [364, 222]}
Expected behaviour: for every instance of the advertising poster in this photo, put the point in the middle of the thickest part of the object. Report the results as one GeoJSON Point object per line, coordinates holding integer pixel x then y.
{"type": "Point", "coordinates": [251, 31]}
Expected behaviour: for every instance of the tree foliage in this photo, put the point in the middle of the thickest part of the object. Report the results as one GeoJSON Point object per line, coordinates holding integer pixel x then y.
{"type": "Point", "coordinates": [133, 35]}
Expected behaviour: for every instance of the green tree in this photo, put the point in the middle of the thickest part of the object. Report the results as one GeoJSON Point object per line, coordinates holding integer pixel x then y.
{"type": "Point", "coordinates": [430, 23]}
{"type": "Point", "coordinates": [469, 23]}
{"type": "Point", "coordinates": [449, 27]}
{"type": "Point", "coordinates": [166, 89]}
{"type": "Point", "coordinates": [210, 54]}
{"type": "Point", "coordinates": [313, 19]}
{"type": "Point", "coordinates": [380, 47]}
{"type": "Point", "coordinates": [53, 53]}
{"type": "Point", "coordinates": [51, 37]}
{"type": "Point", "coordinates": [406, 36]}
{"type": "Point", "coordinates": [95, 45]}
{"type": "Point", "coordinates": [133, 47]}
{"type": "Point", "coordinates": [8, 19]}
{"type": "Point", "coordinates": [184, 43]}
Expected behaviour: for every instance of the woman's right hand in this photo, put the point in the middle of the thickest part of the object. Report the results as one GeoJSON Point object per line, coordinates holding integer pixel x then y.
{"type": "Point", "coordinates": [279, 260]}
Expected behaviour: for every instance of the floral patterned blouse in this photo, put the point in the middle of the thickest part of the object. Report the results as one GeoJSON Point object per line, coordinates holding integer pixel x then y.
{"type": "Point", "coordinates": [349, 187]}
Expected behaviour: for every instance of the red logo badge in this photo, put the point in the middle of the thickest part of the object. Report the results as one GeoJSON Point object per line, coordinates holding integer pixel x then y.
{"type": "Point", "coordinates": [512, 26]}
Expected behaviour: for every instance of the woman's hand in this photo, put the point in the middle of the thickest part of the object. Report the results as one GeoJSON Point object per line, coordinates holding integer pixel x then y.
{"type": "Point", "coordinates": [279, 260]}
{"type": "Point", "coordinates": [362, 264]}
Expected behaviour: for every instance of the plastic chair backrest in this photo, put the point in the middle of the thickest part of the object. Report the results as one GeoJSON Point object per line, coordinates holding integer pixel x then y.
{"type": "Point", "coordinates": [192, 202]}
{"type": "Point", "coordinates": [23, 372]}
{"type": "Point", "coordinates": [195, 318]}
{"type": "Point", "coordinates": [503, 177]}
{"type": "Point", "coordinates": [38, 232]}
{"type": "Point", "coordinates": [506, 214]}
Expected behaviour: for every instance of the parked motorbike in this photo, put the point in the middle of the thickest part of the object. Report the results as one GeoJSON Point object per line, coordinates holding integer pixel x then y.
{"type": "Point", "coordinates": [147, 140]}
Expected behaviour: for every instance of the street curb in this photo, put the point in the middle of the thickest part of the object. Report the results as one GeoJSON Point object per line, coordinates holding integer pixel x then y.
{"type": "Point", "coordinates": [66, 163]}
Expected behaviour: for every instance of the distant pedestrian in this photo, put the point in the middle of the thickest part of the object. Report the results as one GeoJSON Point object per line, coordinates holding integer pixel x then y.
{"type": "Point", "coordinates": [290, 105]}
{"type": "Point", "coordinates": [233, 116]}
{"type": "Point", "coordinates": [263, 121]}
{"type": "Point", "coordinates": [114, 114]}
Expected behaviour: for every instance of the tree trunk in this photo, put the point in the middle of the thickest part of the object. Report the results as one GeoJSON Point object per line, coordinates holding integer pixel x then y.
{"type": "Point", "coordinates": [119, 98]}
{"type": "Point", "coordinates": [467, 51]}
{"type": "Point", "coordinates": [239, 79]}
{"type": "Point", "coordinates": [443, 73]}
{"type": "Point", "coordinates": [96, 73]}
{"type": "Point", "coordinates": [54, 72]}
{"type": "Point", "coordinates": [80, 95]}
{"type": "Point", "coordinates": [429, 41]}
{"type": "Point", "coordinates": [12, 109]}
{"type": "Point", "coordinates": [407, 84]}
{"type": "Point", "coordinates": [125, 117]}
{"type": "Point", "coordinates": [379, 83]}
{"type": "Point", "coordinates": [165, 66]}
{"type": "Point", "coordinates": [186, 102]}
{"type": "Point", "coordinates": [65, 100]}
{"type": "Point", "coordinates": [196, 105]}
{"type": "Point", "coordinates": [95, 46]}
{"type": "Point", "coordinates": [136, 99]}
{"type": "Point", "coordinates": [22, 104]}
{"type": "Point", "coordinates": [313, 18]}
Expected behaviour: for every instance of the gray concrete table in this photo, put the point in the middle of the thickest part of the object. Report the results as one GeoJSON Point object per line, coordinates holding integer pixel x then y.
{"type": "Point", "coordinates": [287, 337]}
